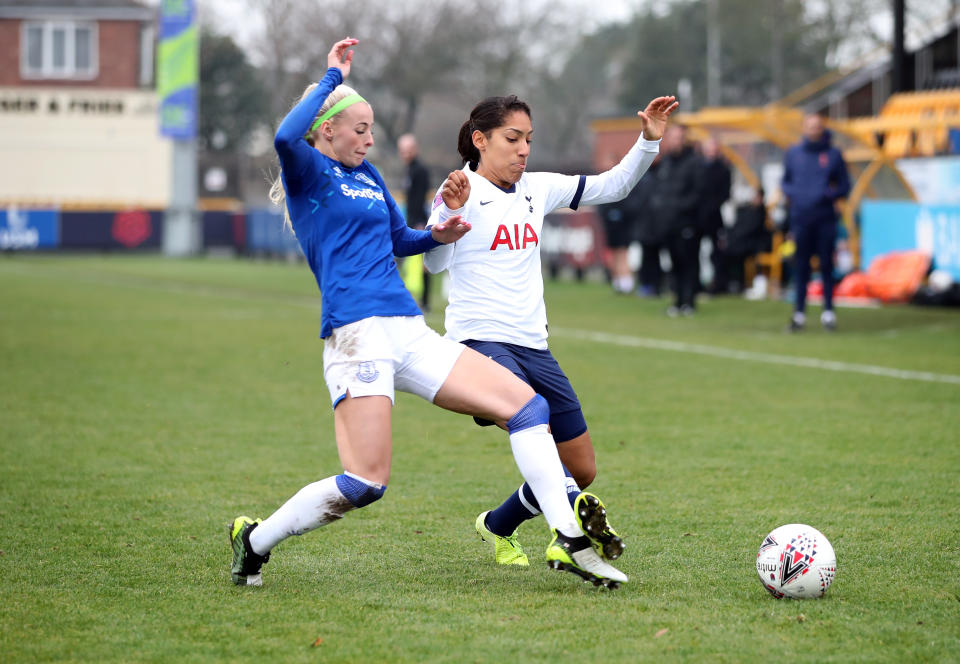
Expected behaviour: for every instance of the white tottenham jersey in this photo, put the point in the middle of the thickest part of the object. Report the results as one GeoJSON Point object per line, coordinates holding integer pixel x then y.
{"type": "Point", "coordinates": [496, 282]}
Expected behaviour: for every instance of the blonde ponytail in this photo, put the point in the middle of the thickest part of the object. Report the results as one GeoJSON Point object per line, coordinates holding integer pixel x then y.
{"type": "Point", "coordinates": [277, 195]}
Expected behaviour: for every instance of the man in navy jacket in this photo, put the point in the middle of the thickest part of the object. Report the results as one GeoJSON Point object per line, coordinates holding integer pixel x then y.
{"type": "Point", "coordinates": [814, 179]}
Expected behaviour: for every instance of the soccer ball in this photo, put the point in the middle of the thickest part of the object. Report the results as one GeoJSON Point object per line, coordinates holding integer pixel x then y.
{"type": "Point", "coordinates": [796, 561]}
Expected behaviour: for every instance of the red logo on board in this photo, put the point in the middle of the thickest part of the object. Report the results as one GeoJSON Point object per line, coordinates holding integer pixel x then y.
{"type": "Point", "coordinates": [131, 228]}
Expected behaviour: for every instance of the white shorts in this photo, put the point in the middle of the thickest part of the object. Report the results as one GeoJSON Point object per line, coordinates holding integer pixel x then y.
{"type": "Point", "coordinates": [376, 355]}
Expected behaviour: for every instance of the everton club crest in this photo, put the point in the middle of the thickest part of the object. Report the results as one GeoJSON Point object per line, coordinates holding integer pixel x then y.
{"type": "Point", "coordinates": [367, 372]}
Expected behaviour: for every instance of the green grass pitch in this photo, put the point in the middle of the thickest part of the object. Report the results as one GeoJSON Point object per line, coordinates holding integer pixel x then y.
{"type": "Point", "coordinates": [146, 402]}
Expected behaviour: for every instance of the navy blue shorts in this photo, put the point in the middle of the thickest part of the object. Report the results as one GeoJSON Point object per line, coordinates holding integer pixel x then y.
{"type": "Point", "coordinates": [539, 370]}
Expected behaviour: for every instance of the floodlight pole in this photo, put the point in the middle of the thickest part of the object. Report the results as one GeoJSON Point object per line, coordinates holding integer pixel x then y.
{"type": "Point", "coordinates": [713, 54]}
{"type": "Point", "coordinates": [776, 51]}
{"type": "Point", "coordinates": [181, 226]}
{"type": "Point", "coordinates": [898, 57]}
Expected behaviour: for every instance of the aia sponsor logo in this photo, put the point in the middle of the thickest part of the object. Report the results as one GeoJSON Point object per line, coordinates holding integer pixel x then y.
{"type": "Point", "coordinates": [521, 238]}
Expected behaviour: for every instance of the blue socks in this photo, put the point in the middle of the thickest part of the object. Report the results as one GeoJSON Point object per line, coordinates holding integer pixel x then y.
{"type": "Point", "coordinates": [534, 412]}
{"type": "Point", "coordinates": [358, 491]}
{"type": "Point", "coordinates": [521, 506]}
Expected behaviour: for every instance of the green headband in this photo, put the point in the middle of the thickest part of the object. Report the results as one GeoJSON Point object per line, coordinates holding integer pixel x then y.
{"type": "Point", "coordinates": [349, 100]}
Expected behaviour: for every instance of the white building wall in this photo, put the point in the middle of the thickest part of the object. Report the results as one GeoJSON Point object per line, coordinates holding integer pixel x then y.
{"type": "Point", "coordinates": [82, 147]}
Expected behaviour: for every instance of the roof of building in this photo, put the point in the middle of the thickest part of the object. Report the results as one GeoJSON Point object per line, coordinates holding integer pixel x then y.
{"type": "Point", "coordinates": [100, 9]}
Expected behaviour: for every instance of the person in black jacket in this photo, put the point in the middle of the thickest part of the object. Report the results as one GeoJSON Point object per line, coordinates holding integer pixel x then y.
{"type": "Point", "coordinates": [650, 233]}
{"type": "Point", "coordinates": [417, 187]}
{"type": "Point", "coordinates": [619, 224]}
{"type": "Point", "coordinates": [674, 202]}
{"type": "Point", "coordinates": [715, 190]}
{"type": "Point", "coordinates": [747, 237]}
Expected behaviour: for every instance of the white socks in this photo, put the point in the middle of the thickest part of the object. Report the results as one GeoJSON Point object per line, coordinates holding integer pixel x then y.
{"type": "Point", "coordinates": [315, 505]}
{"type": "Point", "coordinates": [538, 461]}
{"type": "Point", "coordinates": [322, 502]}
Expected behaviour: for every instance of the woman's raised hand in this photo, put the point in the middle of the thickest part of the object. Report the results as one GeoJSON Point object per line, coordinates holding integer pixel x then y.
{"type": "Point", "coordinates": [450, 230]}
{"type": "Point", "coordinates": [340, 57]}
{"type": "Point", "coordinates": [656, 115]}
{"type": "Point", "coordinates": [455, 190]}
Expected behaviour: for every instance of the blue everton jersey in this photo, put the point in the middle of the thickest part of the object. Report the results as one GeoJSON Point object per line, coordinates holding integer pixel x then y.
{"type": "Point", "coordinates": [347, 223]}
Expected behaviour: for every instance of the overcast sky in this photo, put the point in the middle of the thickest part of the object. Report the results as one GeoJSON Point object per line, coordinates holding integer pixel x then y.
{"type": "Point", "coordinates": [234, 15]}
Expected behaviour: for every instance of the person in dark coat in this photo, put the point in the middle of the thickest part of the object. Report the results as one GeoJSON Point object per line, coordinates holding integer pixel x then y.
{"type": "Point", "coordinates": [814, 178]}
{"type": "Point", "coordinates": [650, 234]}
{"type": "Point", "coordinates": [618, 220]}
{"type": "Point", "coordinates": [417, 188]}
{"type": "Point", "coordinates": [674, 203]}
{"type": "Point", "coordinates": [714, 192]}
{"type": "Point", "coordinates": [747, 237]}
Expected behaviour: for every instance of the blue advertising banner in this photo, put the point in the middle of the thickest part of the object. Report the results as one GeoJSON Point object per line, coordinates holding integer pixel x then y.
{"type": "Point", "coordinates": [127, 229]}
{"type": "Point", "coordinates": [223, 229]}
{"type": "Point", "coordinates": [29, 229]}
{"type": "Point", "coordinates": [178, 68]}
{"type": "Point", "coordinates": [266, 234]}
{"type": "Point", "coordinates": [887, 226]}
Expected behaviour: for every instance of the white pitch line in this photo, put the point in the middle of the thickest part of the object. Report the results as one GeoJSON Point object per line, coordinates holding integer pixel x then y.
{"type": "Point", "coordinates": [769, 358]}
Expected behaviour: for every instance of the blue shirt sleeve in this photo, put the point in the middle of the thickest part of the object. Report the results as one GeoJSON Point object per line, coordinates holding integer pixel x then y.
{"type": "Point", "coordinates": [296, 155]}
{"type": "Point", "coordinates": [406, 241]}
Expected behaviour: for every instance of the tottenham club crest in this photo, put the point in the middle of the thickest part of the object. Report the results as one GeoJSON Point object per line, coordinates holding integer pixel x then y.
{"type": "Point", "coordinates": [367, 372]}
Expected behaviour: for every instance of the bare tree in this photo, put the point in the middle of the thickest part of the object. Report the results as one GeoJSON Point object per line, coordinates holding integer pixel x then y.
{"type": "Point", "coordinates": [411, 49]}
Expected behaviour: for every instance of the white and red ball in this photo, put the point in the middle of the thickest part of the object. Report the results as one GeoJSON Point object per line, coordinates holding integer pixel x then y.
{"type": "Point", "coordinates": [796, 561]}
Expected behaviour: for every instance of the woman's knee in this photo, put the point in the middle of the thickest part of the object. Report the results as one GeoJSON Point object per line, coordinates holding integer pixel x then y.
{"type": "Point", "coordinates": [584, 474]}
{"type": "Point", "coordinates": [534, 412]}
{"type": "Point", "coordinates": [578, 457]}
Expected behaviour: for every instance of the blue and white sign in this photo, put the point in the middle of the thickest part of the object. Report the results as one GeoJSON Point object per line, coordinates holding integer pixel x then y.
{"type": "Point", "coordinates": [29, 229]}
{"type": "Point", "coordinates": [178, 68]}
{"type": "Point", "coordinates": [935, 180]}
{"type": "Point", "coordinates": [887, 226]}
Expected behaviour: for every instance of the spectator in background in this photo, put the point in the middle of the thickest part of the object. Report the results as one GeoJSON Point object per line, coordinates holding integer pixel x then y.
{"type": "Point", "coordinates": [618, 226]}
{"type": "Point", "coordinates": [417, 187]}
{"type": "Point", "coordinates": [674, 203]}
{"type": "Point", "coordinates": [747, 237]}
{"type": "Point", "coordinates": [815, 178]}
{"type": "Point", "coordinates": [714, 192]}
{"type": "Point", "coordinates": [650, 233]}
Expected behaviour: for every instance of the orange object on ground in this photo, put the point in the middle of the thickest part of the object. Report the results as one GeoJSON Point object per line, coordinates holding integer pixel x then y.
{"type": "Point", "coordinates": [896, 276]}
{"type": "Point", "coordinates": [853, 285]}
{"type": "Point", "coordinates": [892, 277]}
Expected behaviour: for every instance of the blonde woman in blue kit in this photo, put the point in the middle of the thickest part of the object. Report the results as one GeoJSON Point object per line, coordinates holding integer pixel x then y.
{"type": "Point", "coordinates": [375, 338]}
